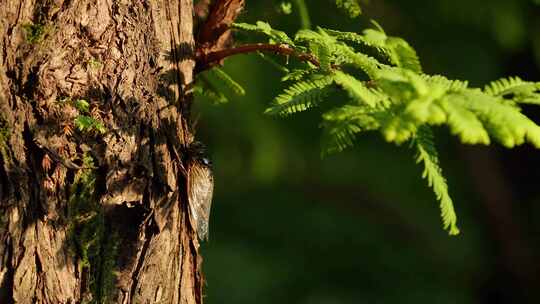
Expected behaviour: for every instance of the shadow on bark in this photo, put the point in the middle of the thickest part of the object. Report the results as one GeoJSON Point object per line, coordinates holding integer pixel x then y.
{"type": "Point", "coordinates": [112, 191]}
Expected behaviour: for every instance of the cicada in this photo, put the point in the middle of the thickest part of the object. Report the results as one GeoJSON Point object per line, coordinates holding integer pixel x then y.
{"type": "Point", "coordinates": [200, 188]}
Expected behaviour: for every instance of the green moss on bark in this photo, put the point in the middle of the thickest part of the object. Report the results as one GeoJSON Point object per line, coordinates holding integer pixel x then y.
{"type": "Point", "coordinates": [89, 236]}
{"type": "Point", "coordinates": [5, 133]}
{"type": "Point", "coordinates": [33, 32]}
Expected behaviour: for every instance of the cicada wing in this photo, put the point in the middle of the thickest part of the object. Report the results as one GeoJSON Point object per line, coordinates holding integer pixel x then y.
{"type": "Point", "coordinates": [200, 190]}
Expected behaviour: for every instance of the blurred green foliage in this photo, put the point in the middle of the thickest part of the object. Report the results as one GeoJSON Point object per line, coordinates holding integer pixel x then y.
{"type": "Point", "coordinates": [359, 226]}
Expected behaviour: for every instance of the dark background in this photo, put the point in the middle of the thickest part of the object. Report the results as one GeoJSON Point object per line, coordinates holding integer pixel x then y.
{"type": "Point", "coordinates": [362, 226]}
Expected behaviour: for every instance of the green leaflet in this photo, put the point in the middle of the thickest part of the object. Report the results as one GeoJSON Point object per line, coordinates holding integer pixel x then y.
{"type": "Point", "coordinates": [464, 123]}
{"type": "Point", "coordinates": [265, 28]}
{"type": "Point", "coordinates": [503, 122]}
{"type": "Point", "coordinates": [88, 124]}
{"type": "Point", "coordinates": [364, 45]}
{"type": "Point", "coordinates": [515, 89]}
{"type": "Point", "coordinates": [319, 44]}
{"type": "Point", "coordinates": [226, 80]}
{"type": "Point", "coordinates": [204, 89]}
{"type": "Point", "coordinates": [297, 75]}
{"type": "Point", "coordinates": [301, 96]}
{"type": "Point", "coordinates": [396, 127]}
{"type": "Point", "coordinates": [341, 125]}
{"type": "Point", "coordinates": [449, 85]}
{"type": "Point", "coordinates": [273, 63]}
{"type": "Point", "coordinates": [427, 154]}
{"type": "Point", "coordinates": [213, 82]}
{"type": "Point", "coordinates": [375, 43]}
{"type": "Point", "coordinates": [404, 55]}
{"type": "Point", "coordinates": [356, 89]}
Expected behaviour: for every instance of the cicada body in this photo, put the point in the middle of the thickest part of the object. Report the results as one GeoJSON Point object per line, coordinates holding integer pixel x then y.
{"type": "Point", "coordinates": [200, 186]}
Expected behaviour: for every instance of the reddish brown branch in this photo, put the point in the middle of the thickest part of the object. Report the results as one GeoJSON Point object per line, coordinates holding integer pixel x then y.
{"type": "Point", "coordinates": [214, 36]}
{"type": "Point", "coordinates": [215, 33]}
{"type": "Point", "coordinates": [206, 61]}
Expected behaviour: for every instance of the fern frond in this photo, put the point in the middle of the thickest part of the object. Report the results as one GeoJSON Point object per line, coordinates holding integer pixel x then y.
{"type": "Point", "coordinates": [398, 100]}
{"type": "Point", "coordinates": [226, 80]}
{"type": "Point", "coordinates": [273, 62]}
{"type": "Point", "coordinates": [404, 55]}
{"type": "Point", "coordinates": [402, 85]}
{"type": "Point", "coordinates": [504, 122]}
{"type": "Point", "coordinates": [501, 86]}
{"type": "Point", "coordinates": [356, 89]}
{"type": "Point", "coordinates": [330, 51]}
{"type": "Point", "coordinates": [363, 45]}
{"type": "Point", "coordinates": [427, 154]}
{"type": "Point", "coordinates": [324, 53]}
{"type": "Point", "coordinates": [352, 7]}
{"type": "Point", "coordinates": [321, 45]}
{"type": "Point", "coordinates": [349, 37]}
{"type": "Point", "coordinates": [211, 84]}
{"type": "Point", "coordinates": [297, 75]}
{"type": "Point", "coordinates": [400, 52]}
{"type": "Point", "coordinates": [464, 123]}
{"type": "Point", "coordinates": [449, 85]}
{"type": "Point", "coordinates": [261, 27]}
{"type": "Point", "coordinates": [338, 136]}
{"type": "Point", "coordinates": [424, 100]}
{"type": "Point", "coordinates": [348, 113]}
{"type": "Point", "coordinates": [367, 64]}
{"type": "Point", "coordinates": [375, 43]}
{"type": "Point", "coordinates": [341, 125]}
{"type": "Point", "coordinates": [399, 128]}
{"type": "Point", "coordinates": [515, 89]}
{"type": "Point", "coordinates": [209, 92]}
{"type": "Point", "coordinates": [304, 36]}
{"type": "Point", "coordinates": [301, 96]}
{"type": "Point", "coordinates": [471, 114]}
{"type": "Point", "coordinates": [427, 110]}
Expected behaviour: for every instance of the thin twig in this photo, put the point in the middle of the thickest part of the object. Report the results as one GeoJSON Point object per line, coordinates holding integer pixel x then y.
{"type": "Point", "coordinates": [206, 61]}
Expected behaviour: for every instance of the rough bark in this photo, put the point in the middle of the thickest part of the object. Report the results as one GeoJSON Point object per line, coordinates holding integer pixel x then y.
{"type": "Point", "coordinates": [93, 205]}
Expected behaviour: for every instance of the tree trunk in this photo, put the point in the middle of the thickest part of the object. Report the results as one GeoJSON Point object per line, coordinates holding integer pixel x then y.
{"type": "Point", "coordinates": [93, 129]}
